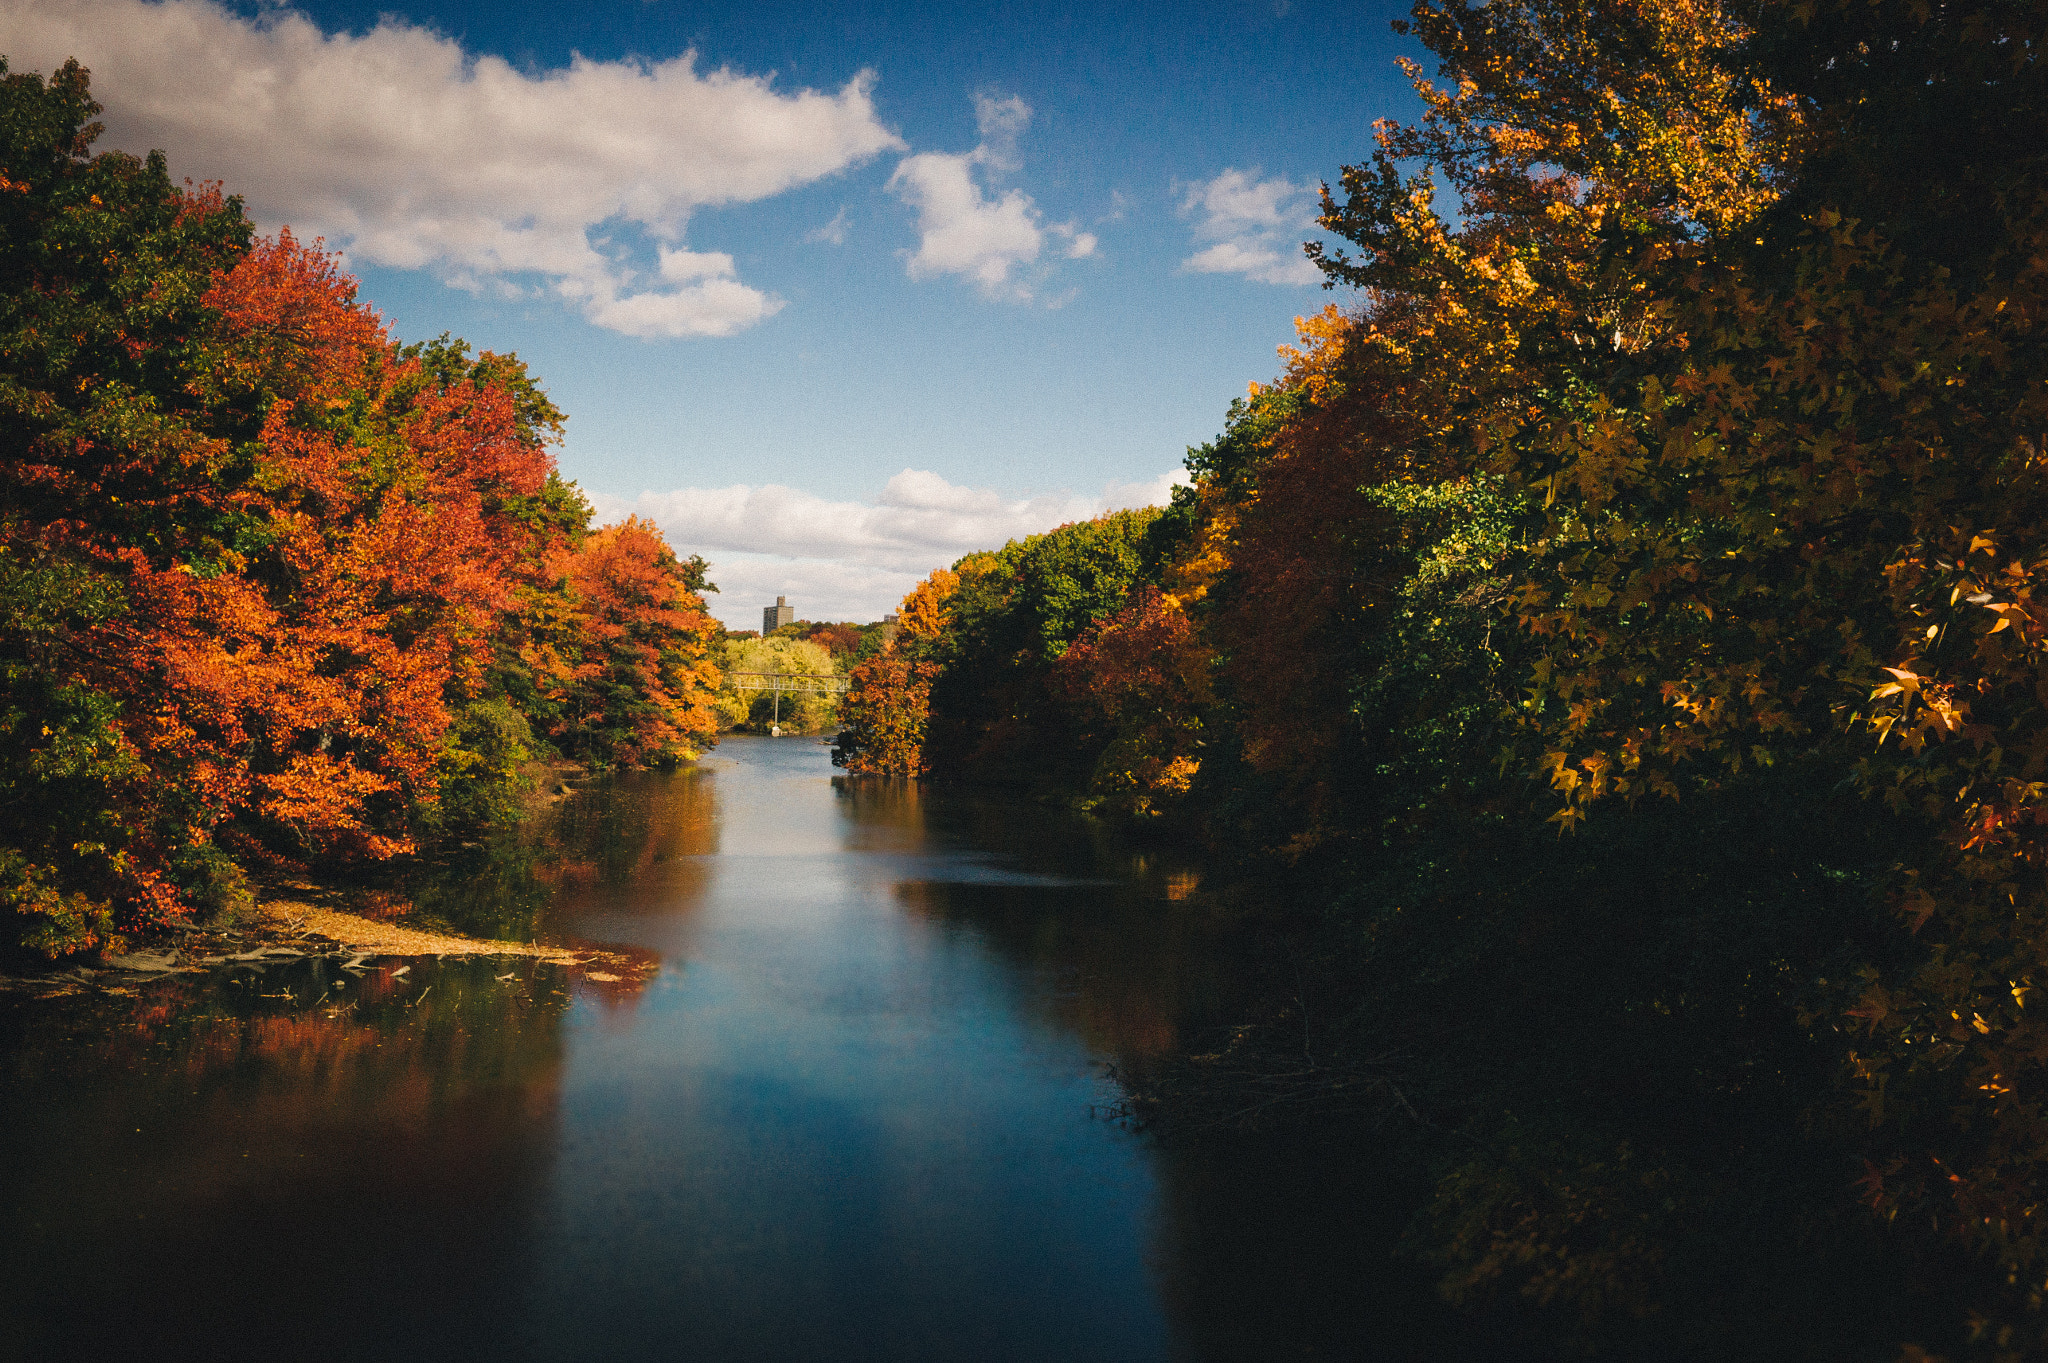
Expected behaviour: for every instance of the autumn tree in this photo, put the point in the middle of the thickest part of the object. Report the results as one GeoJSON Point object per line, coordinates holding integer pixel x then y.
{"type": "Point", "coordinates": [798, 711]}
{"type": "Point", "coordinates": [1010, 615]}
{"type": "Point", "coordinates": [1138, 685]}
{"type": "Point", "coordinates": [638, 680]}
{"type": "Point", "coordinates": [259, 563]}
{"type": "Point", "coordinates": [1769, 416]}
{"type": "Point", "coordinates": [885, 715]}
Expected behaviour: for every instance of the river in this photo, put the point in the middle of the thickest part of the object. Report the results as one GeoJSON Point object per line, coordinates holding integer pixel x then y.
{"type": "Point", "coordinates": [857, 1112]}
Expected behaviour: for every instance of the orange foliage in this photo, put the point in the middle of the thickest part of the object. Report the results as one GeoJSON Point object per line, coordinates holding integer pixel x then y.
{"type": "Point", "coordinates": [268, 580]}
{"type": "Point", "coordinates": [1140, 679]}
{"type": "Point", "coordinates": [923, 612]}
{"type": "Point", "coordinates": [314, 676]}
{"type": "Point", "coordinates": [886, 714]}
{"type": "Point", "coordinates": [632, 607]}
{"type": "Point", "coordinates": [293, 324]}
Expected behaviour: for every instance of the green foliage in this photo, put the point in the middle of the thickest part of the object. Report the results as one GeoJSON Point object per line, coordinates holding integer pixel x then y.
{"type": "Point", "coordinates": [558, 509]}
{"type": "Point", "coordinates": [103, 267]}
{"type": "Point", "coordinates": [58, 920]}
{"type": "Point", "coordinates": [1229, 462]}
{"type": "Point", "coordinates": [1014, 613]}
{"type": "Point", "coordinates": [447, 362]}
{"type": "Point", "coordinates": [484, 766]}
{"type": "Point", "coordinates": [1060, 583]}
{"type": "Point", "coordinates": [1433, 682]}
{"type": "Point", "coordinates": [213, 883]}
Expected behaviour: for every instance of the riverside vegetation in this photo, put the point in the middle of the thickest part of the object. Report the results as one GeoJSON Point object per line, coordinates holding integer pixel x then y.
{"type": "Point", "coordinates": [1605, 665]}
{"type": "Point", "coordinates": [278, 593]}
{"type": "Point", "coordinates": [805, 648]}
{"type": "Point", "coordinates": [1601, 666]}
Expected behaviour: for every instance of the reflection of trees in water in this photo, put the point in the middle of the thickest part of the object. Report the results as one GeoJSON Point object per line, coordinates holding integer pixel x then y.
{"type": "Point", "coordinates": [606, 838]}
{"type": "Point", "coordinates": [1030, 837]}
{"type": "Point", "coordinates": [1261, 1252]}
{"type": "Point", "coordinates": [1041, 839]}
{"type": "Point", "coordinates": [268, 1168]}
{"type": "Point", "coordinates": [638, 840]}
{"type": "Point", "coordinates": [496, 889]}
{"type": "Point", "coordinates": [1125, 977]}
{"type": "Point", "coordinates": [1131, 970]}
{"type": "Point", "coordinates": [893, 803]}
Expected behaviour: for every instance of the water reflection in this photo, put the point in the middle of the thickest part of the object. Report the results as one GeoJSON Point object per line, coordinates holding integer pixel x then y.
{"type": "Point", "coordinates": [849, 1118]}
{"type": "Point", "coordinates": [269, 1156]}
{"type": "Point", "coordinates": [634, 842]}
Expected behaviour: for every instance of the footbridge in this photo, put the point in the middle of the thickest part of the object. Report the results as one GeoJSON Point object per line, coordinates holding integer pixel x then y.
{"type": "Point", "coordinates": [785, 681]}
{"type": "Point", "coordinates": [779, 682]}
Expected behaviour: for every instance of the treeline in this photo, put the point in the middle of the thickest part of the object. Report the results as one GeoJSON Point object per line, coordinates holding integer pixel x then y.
{"type": "Point", "coordinates": [276, 591]}
{"type": "Point", "coordinates": [803, 648]}
{"type": "Point", "coordinates": [979, 683]}
{"type": "Point", "coordinates": [1613, 642]}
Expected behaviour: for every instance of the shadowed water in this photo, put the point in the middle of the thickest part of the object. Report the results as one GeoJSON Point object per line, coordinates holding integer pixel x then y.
{"type": "Point", "coordinates": [849, 1117]}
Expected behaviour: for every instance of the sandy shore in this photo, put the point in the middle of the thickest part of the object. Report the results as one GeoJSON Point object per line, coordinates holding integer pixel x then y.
{"type": "Point", "coordinates": [285, 920]}
{"type": "Point", "coordinates": [282, 929]}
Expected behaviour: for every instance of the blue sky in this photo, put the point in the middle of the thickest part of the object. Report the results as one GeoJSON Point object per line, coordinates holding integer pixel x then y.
{"type": "Point", "coordinates": [996, 270]}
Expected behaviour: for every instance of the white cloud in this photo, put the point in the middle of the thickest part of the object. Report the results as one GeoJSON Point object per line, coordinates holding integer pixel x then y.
{"type": "Point", "coordinates": [832, 233]}
{"type": "Point", "coordinates": [410, 152]}
{"type": "Point", "coordinates": [960, 230]}
{"type": "Point", "coordinates": [680, 267]}
{"type": "Point", "coordinates": [1080, 245]}
{"type": "Point", "coordinates": [853, 560]}
{"type": "Point", "coordinates": [1254, 227]}
{"type": "Point", "coordinates": [820, 589]}
{"type": "Point", "coordinates": [1001, 122]}
{"type": "Point", "coordinates": [715, 307]}
{"type": "Point", "coordinates": [1156, 492]}
{"type": "Point", "coordinates": [976, 233]}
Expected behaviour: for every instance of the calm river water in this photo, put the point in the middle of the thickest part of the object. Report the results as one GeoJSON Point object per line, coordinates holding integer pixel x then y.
{"type": "Point", "coordinates": [851, 1116]}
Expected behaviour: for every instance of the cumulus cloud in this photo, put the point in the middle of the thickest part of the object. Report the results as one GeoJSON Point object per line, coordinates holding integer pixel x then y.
{"type": "Point", "coordinates": [410, 152]}
{"type": "Point", "coordinates": [1254, 227]}
{"type": "Point", "coordinates": [820, 589]}
{"type": "Point", "coordinates": [975, 232]}
{"type": "Point", "coordinates": [853, 560]}
{"type": "Point", "coordinates": [963, 231]}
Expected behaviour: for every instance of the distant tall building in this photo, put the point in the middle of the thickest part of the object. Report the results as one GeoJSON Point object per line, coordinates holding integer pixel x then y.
{"type": "Point", "coordinates": [776, 616]}
{"type": "Point", "coordinates": [889, 627]}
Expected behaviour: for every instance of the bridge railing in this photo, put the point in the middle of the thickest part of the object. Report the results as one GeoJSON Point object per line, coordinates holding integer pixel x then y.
{"type": "Point", "coordinates": [785, 681]}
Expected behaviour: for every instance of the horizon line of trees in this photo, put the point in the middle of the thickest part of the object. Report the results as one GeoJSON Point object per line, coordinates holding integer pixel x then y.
{"type": "Point", "coordinates": [277, 591]}
{"type": "Point", "coordinates": [1618, 642]}
{"type": "Point", "coordinates": [813, 648]}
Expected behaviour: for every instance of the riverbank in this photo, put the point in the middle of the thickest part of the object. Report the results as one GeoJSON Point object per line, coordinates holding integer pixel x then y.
{"type": "Point", "coordinates": [288, 927]}
{"type": "Point", "coordinates": [285, 921]}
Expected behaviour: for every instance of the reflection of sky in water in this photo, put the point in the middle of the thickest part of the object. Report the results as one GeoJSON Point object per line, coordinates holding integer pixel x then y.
{"type": "Point", "coordinates": [830, 1120]}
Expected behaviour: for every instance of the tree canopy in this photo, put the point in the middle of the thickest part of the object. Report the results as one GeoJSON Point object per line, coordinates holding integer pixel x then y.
{"type": "Point", "coordinates": [1622, 618]}
{"type": "Point", "coordinates": [277, 588]}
